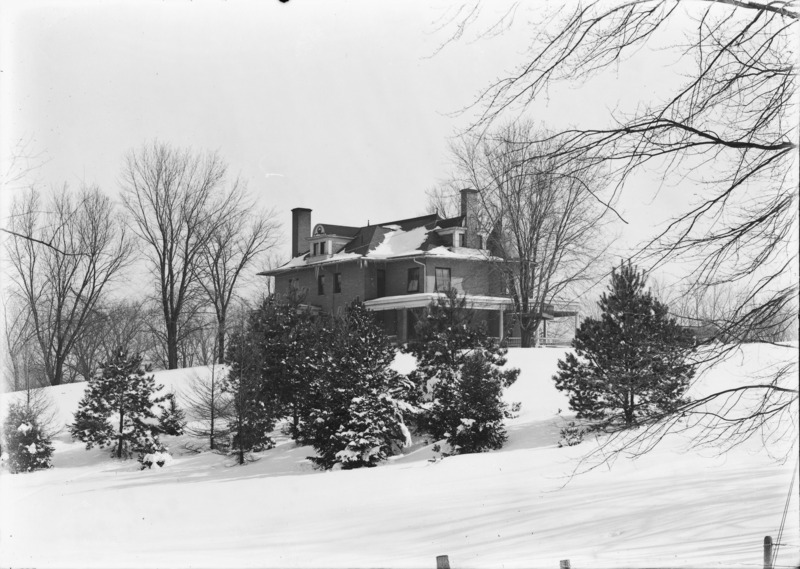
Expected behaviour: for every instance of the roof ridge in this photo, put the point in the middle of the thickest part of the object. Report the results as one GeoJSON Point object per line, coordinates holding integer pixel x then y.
{"type": "Point", "coordinates": [399, 221]}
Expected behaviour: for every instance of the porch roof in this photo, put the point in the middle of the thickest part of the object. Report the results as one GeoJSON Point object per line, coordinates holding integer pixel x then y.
{"type": "Point", "coordinates": [423, 299]}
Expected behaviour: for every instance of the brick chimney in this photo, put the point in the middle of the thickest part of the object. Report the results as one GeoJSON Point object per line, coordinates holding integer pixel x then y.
{"type": "Point", "coordinates": [469, 209]}
{"type": "Point", "coordinates": [301, 230]}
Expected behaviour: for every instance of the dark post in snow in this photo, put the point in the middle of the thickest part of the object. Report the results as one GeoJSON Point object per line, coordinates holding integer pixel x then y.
{"type": "Point", "coordinates": [442, 562]}
{"type": "Point", "coordinates": [768, 552]}
{"type": "Point", "coordinates": [564, 564]}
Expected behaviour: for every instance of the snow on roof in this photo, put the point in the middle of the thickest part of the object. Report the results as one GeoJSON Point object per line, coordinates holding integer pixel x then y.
{"type": "Point", "coordinates": [400, 242]}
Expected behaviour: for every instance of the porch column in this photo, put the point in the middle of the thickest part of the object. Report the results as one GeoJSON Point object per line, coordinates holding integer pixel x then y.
{"type": "Point", "coordinates": [502, 324]}
{"type": "Point", "coordinates": [402, 326]}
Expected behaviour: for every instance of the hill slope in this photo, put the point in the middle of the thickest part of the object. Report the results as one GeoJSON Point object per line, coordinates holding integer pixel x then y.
{"type": "Point", "coordinates": [518, 507]}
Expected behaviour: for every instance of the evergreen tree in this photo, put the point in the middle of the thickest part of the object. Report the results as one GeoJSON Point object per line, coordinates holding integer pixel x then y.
{"type": "Point", "coordinates": [632, 364]}
{"type": "Point", "coordinates": [253, 410]}
{"type": "Point", "coordinates": [120, 407]}
{"type": "Point", "coordinates": [27, 444]}
{"type": "Point", "coordinates": [461, 378]}
{"type": "Point", "coordinates": [290, 350]}
{"type": "Point", "coordinates": [357, 402]}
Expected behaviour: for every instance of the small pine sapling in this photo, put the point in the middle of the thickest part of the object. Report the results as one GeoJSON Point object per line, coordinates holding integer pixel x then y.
{"type": "Point", "coordinates": [632, 365]}
{"type": "Point", "coordinates": [120, 406]}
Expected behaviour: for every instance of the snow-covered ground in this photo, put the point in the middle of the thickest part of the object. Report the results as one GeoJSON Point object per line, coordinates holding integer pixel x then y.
{"type": "Point", "coordinates": [518, 507]}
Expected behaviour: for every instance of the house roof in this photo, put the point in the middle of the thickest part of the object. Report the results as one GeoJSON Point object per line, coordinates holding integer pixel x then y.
{"type": "Point", "coordinates": [340, 230]}
{"type": "Point", "coordinates": [412, 237]}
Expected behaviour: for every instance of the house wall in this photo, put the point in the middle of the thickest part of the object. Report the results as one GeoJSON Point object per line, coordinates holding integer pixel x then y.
{"type": "Point", "coordinates": [353, 285]}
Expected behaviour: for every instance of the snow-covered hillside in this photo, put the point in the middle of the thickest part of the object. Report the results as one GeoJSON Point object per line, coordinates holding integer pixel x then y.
{"type": "Point", "coordinates": [518, 507]}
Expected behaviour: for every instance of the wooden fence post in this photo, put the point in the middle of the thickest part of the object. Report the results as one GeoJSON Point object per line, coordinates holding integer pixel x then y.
{"type": "Point", "coordinates": [442, 562]}
{"type": "Point", "coordinates": [768, 552]}
{"type": "Point", "coordinates": [564, 564]}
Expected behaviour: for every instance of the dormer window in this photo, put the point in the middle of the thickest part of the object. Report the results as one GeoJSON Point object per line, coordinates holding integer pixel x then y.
{"type": "Point", "coordinates": [315, 249]}
{"type": "Point", "coordinates": [322, 247]}
{"type": "Point", "coordinates": [462, 239]}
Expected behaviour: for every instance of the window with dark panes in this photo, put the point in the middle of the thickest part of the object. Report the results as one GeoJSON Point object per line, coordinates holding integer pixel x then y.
{"type": "Point", "coordinates": [321, 285]}
{"type": "Point", "coordinates": [413, 280]}
{"type": "Point", "coordinates": [322, 248]}
{"type": "Point", "coordinates": [381, 283]}
{"type": "Point", "coordinates": [315, 249]}
{"type": "Point", "coordinates": [442, 279]}
{"type": "Point", "coordinates": [462, 239]}
{"type": "Point", "coordinates": [337, 282]}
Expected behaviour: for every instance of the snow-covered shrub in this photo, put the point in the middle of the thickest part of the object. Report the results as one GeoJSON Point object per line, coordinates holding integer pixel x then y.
{"type": "Point", "coordinates": [27, 445]}
{"type": "Point", "coordinates": [572, 434]}
{"type": "Point", "coordinates": [120, 407]}
{"type": "Point", "coordinates": [460, 378]}
{"type": "Point", "coordinates": [357, 404]}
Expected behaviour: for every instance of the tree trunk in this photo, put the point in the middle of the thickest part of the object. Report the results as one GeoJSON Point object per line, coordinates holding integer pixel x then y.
{"type": "Point", "coordinates": [58, 373]}
{"type": "Point", "coordinates": [528, 325]}
{"type": "Point", "coordinates": [172, 345]}
{"type": "Point", "coordinates": [119, 441]}
{"type": "Point", "coordinates": [221, 340]}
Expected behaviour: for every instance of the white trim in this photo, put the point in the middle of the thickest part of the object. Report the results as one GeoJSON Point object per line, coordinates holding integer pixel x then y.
{"type": "Point", "coordinates": [422, 299]}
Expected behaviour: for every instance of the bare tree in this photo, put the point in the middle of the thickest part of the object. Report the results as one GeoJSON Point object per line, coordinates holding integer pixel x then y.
{"type": "Point", "coordinates": [22, 367]}
{"type": "Point", "coordinates": [112, 325]}
{"type": "Point", "coordinates": [541, 214]}
{"type": "Point", "coordinates": [730, 127]}
{"type": "Point", "coordinates": [177, 203]}
{"type": "Point", "coordinates": [64, 253]}
{"type": "Point", "coordinates": [235, 244]}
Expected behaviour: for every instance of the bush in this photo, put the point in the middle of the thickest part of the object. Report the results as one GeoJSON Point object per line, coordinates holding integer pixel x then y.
{"type": "Point", "coordinates": [27, 444]}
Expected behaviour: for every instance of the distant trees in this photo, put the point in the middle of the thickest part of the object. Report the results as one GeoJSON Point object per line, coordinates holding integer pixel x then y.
{"type": "Point", "coordinates": [177, 202]}
{"type": "Point", "coordinates": [64, 251]}
{"type": "Point", "coordinates": [232, 247]}
{"type": "Point", "coordinates": [461, 378]}
{"type": "Point", "coordinates": [541, 213]}
{"type": "Point", "coordinates": [124, 408]}
{"type": "Point", "coordinates": [631, 366]}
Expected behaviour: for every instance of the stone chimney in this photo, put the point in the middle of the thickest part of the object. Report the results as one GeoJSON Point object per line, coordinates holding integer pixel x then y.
{"type": "Point", "coordinates": [301, 230]}
{"type": "Point", "coordinates": [469, 209]}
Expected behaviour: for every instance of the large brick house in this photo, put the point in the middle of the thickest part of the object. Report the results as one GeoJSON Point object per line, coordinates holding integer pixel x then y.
{"type": "Point", "coordinates": [399, 267]}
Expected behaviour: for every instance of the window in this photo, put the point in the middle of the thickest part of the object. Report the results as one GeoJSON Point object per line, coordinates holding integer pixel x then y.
{"type": "Point", "coordinates": [480, 241]}
{"type": "Point", "coordinates": [337, 282]}
{"type": "Point", "coordinates": [315, 249]}
{"type": "Point", "coordinates": [381, 283]}
{"type": "Point", "coordinates": [413, 280]}
{"type": "Point", "coordinates": [462, 239]}
{"type": "Point", "coordinates": [321, 285]}
{"type": "Point", "coordinates": [322, 248]}
{"type": "Point", "coordinates": [442, 279]}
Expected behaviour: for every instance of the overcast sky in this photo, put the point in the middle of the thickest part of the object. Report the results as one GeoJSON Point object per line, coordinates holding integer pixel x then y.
{"type": "Point", "coordinates": [343, 107]}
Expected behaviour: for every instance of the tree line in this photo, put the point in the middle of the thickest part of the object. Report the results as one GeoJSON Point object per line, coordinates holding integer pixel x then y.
{"type": "Point", "coordinates": [181, 216]}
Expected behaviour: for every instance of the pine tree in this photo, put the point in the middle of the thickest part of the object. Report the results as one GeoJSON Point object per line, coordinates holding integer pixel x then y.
{"type": "Point", "coordinates": [288, 340]}
{"type": "Point", "coordinates": [461, 378]}
{"type": "Point", "coordinates": [26, 442]}
{"type": "Point", "coordinates": [631, 365]}
{"type": "Point", "coordinates": [120, 407]}
{"type": "Point", "coordinates": [357, 403]}
{"type": "Point", "coordinates": [253, 409]}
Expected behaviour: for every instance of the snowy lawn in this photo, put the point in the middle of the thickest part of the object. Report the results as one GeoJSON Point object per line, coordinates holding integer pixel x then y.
{"type": "Point", "coordinates": [518, 507]}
